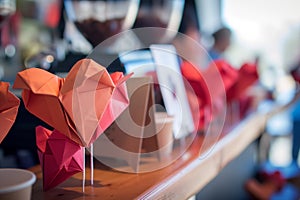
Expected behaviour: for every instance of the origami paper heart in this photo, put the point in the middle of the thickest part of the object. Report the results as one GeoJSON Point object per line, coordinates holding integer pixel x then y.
{"type": "Point", "coordinates": [210, 87]}
{"type": "Point", "coordinates": [60, 157]}
{"type": "Point", "coordinates": [9, 105]}
{"type": "Point", "coordinates": [228, 74]}
{"type": "Point", "coordinates": [199, 97]}
{"type": "Point", "coordinates": [93, 99]}
{"type": "Point", "coordinates": [40, 97]}
{"type": "Point", "coordinates": [247, 76]}
{"type": "Point", "coordinates": [82, 105]}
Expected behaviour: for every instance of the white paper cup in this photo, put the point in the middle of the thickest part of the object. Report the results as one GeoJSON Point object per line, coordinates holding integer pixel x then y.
{"type": "Point", "coordinates": [16, 184]}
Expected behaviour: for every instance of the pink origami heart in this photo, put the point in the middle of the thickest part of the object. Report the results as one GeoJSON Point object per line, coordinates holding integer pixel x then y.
{"type": "Point", "coordinates": [60, 157]}
{"type": "Point", "coordinates": [93, 99]}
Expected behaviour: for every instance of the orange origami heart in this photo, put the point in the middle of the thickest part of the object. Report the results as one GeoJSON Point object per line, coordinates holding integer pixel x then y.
{"type": "Point", "coordinates": [9, 105]}
{"type": "Point", "coordinates": [82, 105]}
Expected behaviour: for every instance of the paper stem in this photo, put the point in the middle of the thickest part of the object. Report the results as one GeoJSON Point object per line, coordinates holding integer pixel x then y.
{"type": "Point", "coordinates": [92, 164]}
{"type": "Point", "coordinates": [83, 174]}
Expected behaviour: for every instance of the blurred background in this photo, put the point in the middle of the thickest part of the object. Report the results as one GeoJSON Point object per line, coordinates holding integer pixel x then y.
{"type": "Point", "coordinates": [54, 34]}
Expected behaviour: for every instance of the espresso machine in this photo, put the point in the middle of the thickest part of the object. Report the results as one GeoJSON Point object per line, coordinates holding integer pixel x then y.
{"type": "Point", "coordinates": [113, 27]}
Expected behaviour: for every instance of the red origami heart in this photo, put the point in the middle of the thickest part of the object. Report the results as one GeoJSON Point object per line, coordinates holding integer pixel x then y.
{"type": "Point", "coordinates": [59, 156]}
{"type": "Point", "coordinates": [247, 76]}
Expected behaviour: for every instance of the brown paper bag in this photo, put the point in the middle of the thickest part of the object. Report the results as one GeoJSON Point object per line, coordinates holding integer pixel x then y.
{"type": "Point", "coordinates": [134, 132]}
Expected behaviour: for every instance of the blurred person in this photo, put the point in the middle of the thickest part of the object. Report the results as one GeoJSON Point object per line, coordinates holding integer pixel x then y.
{"type": "Point", "coordinates": [296, 119]}
{"type": "Point", "coordinates": [293, 62]}
{"type": "Point", "coordinates": [296, 135]}
{"type": "Point", "coordinates": [222, 40]}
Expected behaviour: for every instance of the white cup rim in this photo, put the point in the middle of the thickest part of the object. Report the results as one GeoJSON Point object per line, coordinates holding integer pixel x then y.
{"type": "Point", "coordinates": [21, 185]}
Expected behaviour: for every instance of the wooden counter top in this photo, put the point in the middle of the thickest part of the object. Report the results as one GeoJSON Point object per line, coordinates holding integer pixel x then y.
{"type": "Point", "coordinates": [180, 180]}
